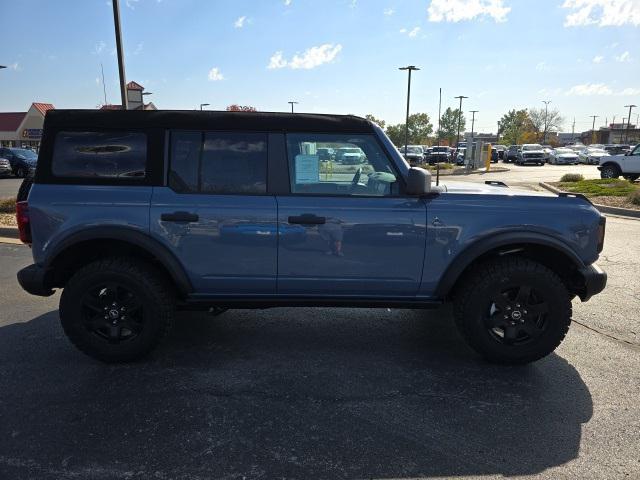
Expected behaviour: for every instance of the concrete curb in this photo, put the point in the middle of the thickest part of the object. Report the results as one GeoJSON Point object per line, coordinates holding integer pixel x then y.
{"type": "Point", "coordinates": [625, 212]}
{"type": "Point", "coordinates": [9, 232]}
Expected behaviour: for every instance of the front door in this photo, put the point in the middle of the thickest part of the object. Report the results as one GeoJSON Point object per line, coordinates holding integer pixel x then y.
{"type": "Point", "coordinates": [215, 214]}
{"type": "Point", "coordinates": [345, 229]}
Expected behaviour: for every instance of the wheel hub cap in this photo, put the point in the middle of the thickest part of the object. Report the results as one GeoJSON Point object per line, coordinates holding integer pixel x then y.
{"type": "Point", "coordinates": [516, 315]}
{"type": "Point", "coordinates": [114, 314]}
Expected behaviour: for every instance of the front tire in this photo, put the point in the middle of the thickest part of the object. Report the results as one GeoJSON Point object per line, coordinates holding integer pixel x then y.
{"type": "Point", "coordinates": [610, 171]}
{"type": "Point", "coordinates": [512, 310]}
{"type": "Point", "coordinates": [116, 309]}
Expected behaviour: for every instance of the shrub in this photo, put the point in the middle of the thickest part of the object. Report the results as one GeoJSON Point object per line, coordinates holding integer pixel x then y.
{"type": "Point", "coordinates": [572, 177]}
{"type": "Point", "coordinates": [634, 197]}
{"type": "Point", "coordinates": [7, 205]}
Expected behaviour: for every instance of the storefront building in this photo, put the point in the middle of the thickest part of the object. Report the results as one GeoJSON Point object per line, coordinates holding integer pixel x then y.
{"type": "Point", "coordinates": [23, 129]}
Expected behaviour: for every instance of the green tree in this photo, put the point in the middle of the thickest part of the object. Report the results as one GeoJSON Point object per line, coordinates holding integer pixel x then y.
{"type": "Point", "coordinates": [420, 127]}
{"type": "Point", "coordinates": [515, 126]}
{"type": "Point", "coordinates": [449, 125]}
{"type": "Point", "coordinates": [381, 123]}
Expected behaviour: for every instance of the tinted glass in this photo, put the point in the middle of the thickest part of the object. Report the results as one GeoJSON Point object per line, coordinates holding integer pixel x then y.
{"type": "Point", "coordinates": [185, 159]}
{"type": "Point", "coordinates": [234, 162]}
{"type": "Point", "coordinates": [100, 155]}
{"type": "Point", "coordinates": [360, 166]}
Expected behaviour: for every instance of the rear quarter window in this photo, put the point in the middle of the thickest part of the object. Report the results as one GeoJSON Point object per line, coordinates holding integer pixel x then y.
{"type": "Point", "coordinates": [100, 155]}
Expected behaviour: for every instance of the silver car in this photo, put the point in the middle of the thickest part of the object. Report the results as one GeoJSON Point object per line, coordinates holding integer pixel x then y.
{"type": "Point", "coordinates": [563, 156]}
{"type": "Point", "coordinates": [5, 166]}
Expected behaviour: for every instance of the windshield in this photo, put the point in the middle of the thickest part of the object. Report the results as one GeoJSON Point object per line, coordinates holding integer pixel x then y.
{"type": "Point", "coordinates": [531, 147]}
{"type": "Point", "coordinates": [441, 149]}
{"type": "Point", "coordinates": [563, 150]}
{"type": "Point", "coordinates": [25, 154]}
{"type": "Point", "coordinates": [351, 150]}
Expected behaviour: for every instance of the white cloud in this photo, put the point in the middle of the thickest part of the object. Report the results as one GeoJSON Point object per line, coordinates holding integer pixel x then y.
{"type": "Point", "coordinates": [99, 47]}
{"type": "Point", "coordinates": [277, 61]}
{"type": "Point", "coordinates": [389, 11]}
{"type": "Point", "coordinates": [623, 57]}
{"type": "Point", "coordinates": [138, 49]}
{"type": "Point", "coordinates": [411, 33]}
{"type": "Point", "coordinates": [598, 59]}
{"type": "Point", "coordinates": [215, 75]}
{"type": "Point", "coordinates": [630, 92]}
{"type": "Point", "coordinates": [603, 13]}
{"type": "Point", "coordinates": [287, 3]}
{"type": "Point", "coordinates": [542, 66]}
{"type": "Point", "coordinates": [131, 4]}
{"type": "Point", "coordinates": [239, 23]}
{"type": "Point", "coordinates": [311, 58]}
{"type": "Point", "coordinates": [461, 10]}
{"type": "Point", "coordinates": [590, 89]}
{"type": "Point", "coordinates": [353, 4]}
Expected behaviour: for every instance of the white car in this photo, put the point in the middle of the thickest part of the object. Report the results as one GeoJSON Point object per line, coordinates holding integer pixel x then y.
{"type": "Point", "coordinates": [563, 156]}
{"type": "Point", "coordinates": [592, 156]}
{"type": "Point", "coordinates": [627, 165]}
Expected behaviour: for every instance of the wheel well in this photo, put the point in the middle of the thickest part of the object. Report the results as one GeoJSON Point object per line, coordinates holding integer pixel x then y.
{"type": "Point", "coordinates": [552, 258]}
{"type": "Point", "coordinates": [606, 164]}
{"type": "Point", "coordinates": [79, 254]}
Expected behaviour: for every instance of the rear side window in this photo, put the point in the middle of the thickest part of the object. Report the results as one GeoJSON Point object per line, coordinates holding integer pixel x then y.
{"type": "Point", "coordinates": [218, 162]}
{"type": "Point", "coordinates": [108, 155]}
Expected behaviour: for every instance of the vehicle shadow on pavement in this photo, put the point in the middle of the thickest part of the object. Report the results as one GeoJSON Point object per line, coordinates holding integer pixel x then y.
{"type": "Point", "coordinates": [284, 393]}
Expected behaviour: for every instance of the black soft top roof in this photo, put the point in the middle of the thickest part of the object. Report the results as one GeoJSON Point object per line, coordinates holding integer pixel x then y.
{"type": "Point", "coordinates": [206, 120]}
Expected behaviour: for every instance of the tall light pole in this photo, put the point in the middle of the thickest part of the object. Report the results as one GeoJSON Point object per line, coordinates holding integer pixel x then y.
{"type": "Point", "coordinates": [593, 128]}
{"type": "Point", "coordinates": [123, 77]}
{"type": "Point", "coordinates": [473, 122]}
{"type": "Point", "coordinates": [439, 114]}
{"type": "Point", "coordinates": [546, 113]}
{"type": "Point", "coordinates": [292, 104]}
{"type": "Point", "coordinates": [629, 119]}
{"type": "Point", "coordinates": [459, 119]}
{"type": "Point", "coordinates": [409, 68]}
{"type": "Point", "coordinates": [204, 105]}
{"type": "Point", "coordinates": [498, 133]}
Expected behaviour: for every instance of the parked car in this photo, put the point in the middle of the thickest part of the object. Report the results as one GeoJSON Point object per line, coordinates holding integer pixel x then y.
{"type": "Point", "coordinates": [547, 149]}
{"type": "Point", "coordinates": [511, 155]}
{"type": "Point", "coordinates": [326, 154]}
{"type": "Point", "coordinates": [5, 167]}
{"type": "Point", "coordinates": [414, 154]}
{"type": "Point", "coordinates": [501, 149]}
{"type": "Point", "coordinates": [592, 155]}
{"type": "Point", "coordinates": [577, 147]}
{"type": "Point", "coordinates": [530, 153]}
{"type": "Point", "coordinates": [439, 155]}
{"type": "Point", "coordinates": [563, 156]}
{"type": "Point", "coordinates": [617, 149]}
{"type": "Point", "coordinates": [460, 154]}
{"type": "Point", "coordinates": [350, 155]}
{"type": "Point", "coordinates": [627, 165]}
{"type": "Point", "coordinates": [128, 251]}
{"type": "Point", "coordinates": [23, 161]}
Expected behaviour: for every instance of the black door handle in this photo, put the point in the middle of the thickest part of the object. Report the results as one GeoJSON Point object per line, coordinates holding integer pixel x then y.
{"type": "Point", "coordinates": [307, 219]}
{"type": "Point", "coordinates": [179, 217]}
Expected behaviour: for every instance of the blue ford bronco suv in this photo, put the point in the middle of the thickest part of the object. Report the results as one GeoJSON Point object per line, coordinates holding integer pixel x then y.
{"type": "Point", "coordinates": [137, 214]}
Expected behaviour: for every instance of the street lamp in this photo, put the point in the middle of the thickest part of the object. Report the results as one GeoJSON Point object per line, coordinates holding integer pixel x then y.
{"type": "Point", "coordinates": [629, 119]}
{"type": "Point", "coordinates": [409, 68]}
{"type": "Point", "coordinates": [546, 109]}
{"type": "Point", "coordinates": [459, 120]}
{"type": "Point", "coordinates": [204, 105]}
{"type": "Point", "coordinates": [292, 104]}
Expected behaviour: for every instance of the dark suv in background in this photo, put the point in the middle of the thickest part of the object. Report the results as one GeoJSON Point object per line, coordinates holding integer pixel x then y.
{"type": "Point", "coordinates": [23, 161]}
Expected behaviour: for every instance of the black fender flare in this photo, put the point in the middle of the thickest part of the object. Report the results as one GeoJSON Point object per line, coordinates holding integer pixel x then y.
{"type": "Point", "coordinates": [129, 235]}
{"type": "Point", "coordinates": [487, 244]}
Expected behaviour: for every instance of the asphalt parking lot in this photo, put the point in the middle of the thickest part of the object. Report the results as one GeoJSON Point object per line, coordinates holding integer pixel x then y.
{"type": "Point", "coordinates": [323, 393]}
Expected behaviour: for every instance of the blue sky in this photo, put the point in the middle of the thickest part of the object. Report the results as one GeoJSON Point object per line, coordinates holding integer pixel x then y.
{"type": "Point", "coordinates": [334, 56]}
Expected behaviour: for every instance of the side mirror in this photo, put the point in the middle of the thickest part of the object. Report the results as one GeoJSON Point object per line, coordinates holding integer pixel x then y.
{"type": "Point", "coordinates": [418, 181]}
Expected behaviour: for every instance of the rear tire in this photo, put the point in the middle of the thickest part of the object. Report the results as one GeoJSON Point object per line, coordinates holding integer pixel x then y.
{"type": "Point", "coordinates": [116, 309]}
{"type": "Point", "coordinates": [610, 171]}
{"type": "Point", "coordinates": [512, 310]}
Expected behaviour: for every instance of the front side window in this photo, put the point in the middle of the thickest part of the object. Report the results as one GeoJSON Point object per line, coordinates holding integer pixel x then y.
{"type": "Point", "coordinates": [121, 155]}
{"type": "Point", "coordinates": [359, 166]}
{"type": "Point", "coordinates": [218, 162]}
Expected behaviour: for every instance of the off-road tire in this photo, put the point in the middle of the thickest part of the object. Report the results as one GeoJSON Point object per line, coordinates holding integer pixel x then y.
{"type": "Point", "coordinates": [152, 290]}
{"type": "Point", "coordinates": [471, 298]}
{"type": "Point", "coordinates": [610, 171]}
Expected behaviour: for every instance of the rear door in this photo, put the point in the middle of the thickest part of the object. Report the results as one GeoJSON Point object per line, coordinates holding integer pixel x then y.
{"type": "Point", "coordinates": [216, 215]}
{"type": "Point", "coordinates": [347, 230]}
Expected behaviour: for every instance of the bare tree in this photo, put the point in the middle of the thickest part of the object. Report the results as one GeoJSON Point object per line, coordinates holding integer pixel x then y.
{"type": "Point", "coordinates": [545, 121]}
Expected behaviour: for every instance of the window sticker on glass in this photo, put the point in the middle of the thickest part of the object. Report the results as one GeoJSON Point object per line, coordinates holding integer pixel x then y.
{"type": "Point", "coordinates": [307, 168]}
